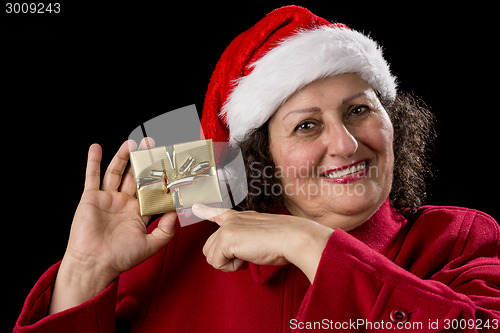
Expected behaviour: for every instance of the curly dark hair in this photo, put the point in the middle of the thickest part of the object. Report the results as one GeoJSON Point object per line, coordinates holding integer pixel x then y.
{"type": "Point", "coordinates": [413, 125]}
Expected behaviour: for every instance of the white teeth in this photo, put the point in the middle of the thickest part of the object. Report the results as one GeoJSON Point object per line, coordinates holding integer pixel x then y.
{"type": "Point", "coordinates": [347, 171]}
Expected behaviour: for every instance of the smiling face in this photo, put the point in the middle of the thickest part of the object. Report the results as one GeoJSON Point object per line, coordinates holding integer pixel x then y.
{"type": "Point", "coordinates": [332, 145]}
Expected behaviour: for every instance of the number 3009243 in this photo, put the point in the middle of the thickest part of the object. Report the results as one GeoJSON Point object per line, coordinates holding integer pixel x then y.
{"type": "Point", "coordinates": [32, 8]}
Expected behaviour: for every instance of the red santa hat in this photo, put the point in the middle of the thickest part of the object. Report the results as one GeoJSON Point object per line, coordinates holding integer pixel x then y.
{"type": "Point", "coordinates": [282, 53]}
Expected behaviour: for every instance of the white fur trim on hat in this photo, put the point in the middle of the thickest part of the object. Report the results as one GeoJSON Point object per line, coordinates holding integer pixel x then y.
{"type": "Point", "coordinates": [297, 61]}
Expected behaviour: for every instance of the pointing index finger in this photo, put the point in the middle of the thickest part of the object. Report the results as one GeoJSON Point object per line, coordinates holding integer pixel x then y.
{"type": "Point", "coordinates": [209, 213]}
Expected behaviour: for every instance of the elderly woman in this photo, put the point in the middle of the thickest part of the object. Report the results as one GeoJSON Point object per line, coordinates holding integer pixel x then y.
{"type": "Point", "coordinates": [331, 235]}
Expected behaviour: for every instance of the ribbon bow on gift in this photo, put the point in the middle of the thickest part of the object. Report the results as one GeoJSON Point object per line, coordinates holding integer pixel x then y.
{"type": "Point", "coordinates": [184, 175]}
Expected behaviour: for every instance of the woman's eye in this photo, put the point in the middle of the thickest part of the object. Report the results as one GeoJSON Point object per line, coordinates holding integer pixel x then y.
{"type": "Point", "coordinates": [358, 110]}
{"type": "Point", "coordinates": [305, 126]}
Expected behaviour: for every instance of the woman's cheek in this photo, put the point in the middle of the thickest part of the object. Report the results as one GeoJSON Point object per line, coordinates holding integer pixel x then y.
{"type": "Point", "coordinates": [378, 137]}
{"type": "Point", "coordinates": [377, 134]}
{"type": "Point", "coordinates": [299, 161]}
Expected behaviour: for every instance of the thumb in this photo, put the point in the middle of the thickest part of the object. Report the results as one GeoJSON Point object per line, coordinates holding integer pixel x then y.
{"type": "Point", "coordinates": [163, 233]}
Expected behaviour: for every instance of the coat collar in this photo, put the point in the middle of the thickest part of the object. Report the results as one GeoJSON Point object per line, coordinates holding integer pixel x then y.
{"type": "Point", "coordinates": [378, 232]}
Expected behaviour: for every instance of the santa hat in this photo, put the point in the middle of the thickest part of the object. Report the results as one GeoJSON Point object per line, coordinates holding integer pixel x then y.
{"type": "Point", "coordinates": [282, 53]}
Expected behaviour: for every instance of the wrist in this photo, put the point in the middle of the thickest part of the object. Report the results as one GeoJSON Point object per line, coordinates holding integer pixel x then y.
{"type": "Point", "coordinates": [91, 276]}
{"type": "Point", "coordinates": [78, 282]}
{"type": "Point", "coordinates": [307, 248]}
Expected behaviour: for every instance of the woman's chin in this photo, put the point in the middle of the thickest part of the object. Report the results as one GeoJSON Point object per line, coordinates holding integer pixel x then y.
{"type": "Point", "coordinates": [338, 211]}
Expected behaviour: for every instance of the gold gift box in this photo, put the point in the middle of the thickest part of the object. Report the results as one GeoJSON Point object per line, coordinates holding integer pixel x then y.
{"type": "Point", "coordinates": [175, 176]}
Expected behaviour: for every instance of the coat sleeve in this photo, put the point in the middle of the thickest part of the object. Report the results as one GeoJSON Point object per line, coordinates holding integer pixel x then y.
{"type": "Point", "coordinates": [114, 309]}
{"type": "Point", "coordinates": [357, 288]}
{"type": "Point", "coordinates": [95, 315]}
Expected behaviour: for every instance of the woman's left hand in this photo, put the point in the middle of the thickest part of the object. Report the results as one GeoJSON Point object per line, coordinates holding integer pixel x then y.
{"type": "Point", "coordinates": [263, 239]}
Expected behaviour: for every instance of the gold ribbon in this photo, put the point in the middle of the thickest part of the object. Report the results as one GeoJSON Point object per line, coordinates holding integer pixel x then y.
{"type": "Point", "coordinates": [181, 176]}
{"type": "Point", "coordinates": [168, 169]}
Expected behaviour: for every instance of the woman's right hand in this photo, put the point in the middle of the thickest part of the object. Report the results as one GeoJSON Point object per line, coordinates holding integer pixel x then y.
{"type": "Point", "coordinates": [108, 235]}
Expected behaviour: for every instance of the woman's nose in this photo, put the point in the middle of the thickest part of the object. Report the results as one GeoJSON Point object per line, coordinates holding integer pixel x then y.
{"type": "Point", "coordinates": [339, 141]}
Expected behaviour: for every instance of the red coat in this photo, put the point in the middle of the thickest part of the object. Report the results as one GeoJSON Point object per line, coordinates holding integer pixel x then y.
{"type": "Point", "coordinates": [440, 267]}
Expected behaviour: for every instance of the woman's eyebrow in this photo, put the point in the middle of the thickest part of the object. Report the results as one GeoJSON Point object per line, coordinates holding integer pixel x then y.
{"type": "Point", "coordinates": [345, 100]}
{"type": "Point", "coordinates": [313, 109]}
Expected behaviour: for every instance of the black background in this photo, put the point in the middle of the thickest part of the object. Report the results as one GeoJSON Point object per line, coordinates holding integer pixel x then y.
{"type": "Point", "coordinates": [94, 72]}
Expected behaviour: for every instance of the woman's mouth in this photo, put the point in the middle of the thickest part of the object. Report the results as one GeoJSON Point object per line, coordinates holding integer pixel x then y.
{"type": "Point", "coordinates": [347, 173]}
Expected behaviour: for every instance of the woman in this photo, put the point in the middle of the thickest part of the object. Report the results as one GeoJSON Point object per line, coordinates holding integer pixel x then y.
{"type": "Point", "coordinates": [331, 236]}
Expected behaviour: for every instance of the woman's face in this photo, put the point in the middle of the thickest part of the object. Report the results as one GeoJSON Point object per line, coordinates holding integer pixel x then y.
{"type": "Point", "coordinates": [332, 145]}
